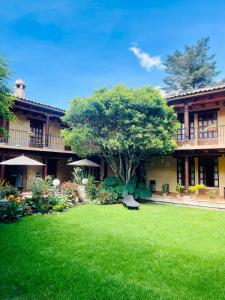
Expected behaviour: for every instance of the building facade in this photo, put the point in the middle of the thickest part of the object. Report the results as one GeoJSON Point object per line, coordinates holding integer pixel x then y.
{"type": "Point", "coordinates": [35, 132]}
{"type": "Point", "coordinates": [200, 154]}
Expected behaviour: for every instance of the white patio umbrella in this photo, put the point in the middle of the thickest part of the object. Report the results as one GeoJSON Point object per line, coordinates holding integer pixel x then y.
{"type": "Point", "coordinates": [21, 161]}
{"type": "Point", "coordinates": [84, 163]}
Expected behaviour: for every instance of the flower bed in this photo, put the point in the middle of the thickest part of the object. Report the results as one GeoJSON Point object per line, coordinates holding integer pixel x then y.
{"type": "Point", "coordinates": [45, 198]}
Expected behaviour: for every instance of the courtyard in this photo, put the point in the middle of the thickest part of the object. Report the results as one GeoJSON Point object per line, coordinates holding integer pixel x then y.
{"type": "Point", "coordinates": [109, 252]}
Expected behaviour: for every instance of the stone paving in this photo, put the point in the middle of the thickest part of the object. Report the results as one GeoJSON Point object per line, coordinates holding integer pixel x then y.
{"type": "Point", "coordinates": [188, 201]}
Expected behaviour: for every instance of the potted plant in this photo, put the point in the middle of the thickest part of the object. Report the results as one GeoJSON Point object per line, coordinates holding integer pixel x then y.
{"type": "Point", "coordinates": [178, 189]}
{"type": "Point", "coordinates": [165, 189]}
{"type": "Point", "coordinates": [195, 188]}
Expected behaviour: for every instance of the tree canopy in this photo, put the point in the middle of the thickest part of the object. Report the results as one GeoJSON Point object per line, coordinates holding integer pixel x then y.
{"type": "Point", "coordinates": [194, 68]}
{"type": "Point", "coordinates": [123, 125]}
{"type": "Point", "coordinates": [6, 100]}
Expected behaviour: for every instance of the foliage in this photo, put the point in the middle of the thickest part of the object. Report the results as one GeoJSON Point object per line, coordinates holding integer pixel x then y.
{"type": "Point", "coordinates": [212, 193]}
{"type": "Point", "coordinates": [69, 190]}
{"type": "Point", "coordinates": [196, 188]}
{"type": "Point", "coordinates": [178, 188]}
{"type": "Point", "coordinates": [10, 209]}
{"type": "Point", "coordinates": [194, 68]}
{"type": "Point", "coordinates": [7, 189]}
{"type": "Point", "coordinates": [54, 200]}
{"type": "Point", "coordinates": [119, 189]}
{"type": "Point", "coordinates": [6, 99]}
{"type": "Point", "coordinates": [41, 190]}
{"type": "Point", "coordinates": [165, 188]}
{"type": "Point", "coordinates": [106, 197]}
{"type": "Point", "coordinates": [123, 125]}
{"type": "Point", "coordinates": [59, 207]}
{"type": "Point", "coordinates": [27, 206]}
{"type": "Point", "coordinates": [79, 174]}
{"type": "Point", "coordinates": [92, 191]}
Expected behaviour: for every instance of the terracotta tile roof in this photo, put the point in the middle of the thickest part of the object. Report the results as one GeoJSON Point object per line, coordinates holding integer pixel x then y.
{"type": "Point", "coordinates": [173, 95]}
{"type": "Point", "coordinates": [42, 105]}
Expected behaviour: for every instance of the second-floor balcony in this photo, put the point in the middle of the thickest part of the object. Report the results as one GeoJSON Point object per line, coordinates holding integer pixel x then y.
{"type": "Point", "coordinates": [211, 136]}
{"type": "Point", "coordinates": [26, 139]}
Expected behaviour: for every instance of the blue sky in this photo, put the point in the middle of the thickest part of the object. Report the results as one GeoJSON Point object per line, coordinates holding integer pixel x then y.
{"type": "Point", "coordinates": [68, 48]}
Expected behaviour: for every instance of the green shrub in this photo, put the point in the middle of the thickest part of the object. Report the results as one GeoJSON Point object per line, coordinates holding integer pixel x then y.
{"type": "Point", "coordinates": [115, 186]}
{"type": "Point", "coordinates": [7, 190]}
{"type": "Point", "coordinates": [10, 209]}
{"type": "Point", "coordinates": [106, 198]}
{"type": "Point", "coordinates": [92, 191]}
{"type": "Point", "coordinates": [59, 207]}
{"type": "Point", "coordinates": [27, 206]}
{"type": "Point", "coordinates": [165, 188]}
{"type": "Point", "coordinates": [178, 188]}
{"type": "Point", "coordinates": [41, 190]}
{"type": "Point", "coordinates": [54, 200]}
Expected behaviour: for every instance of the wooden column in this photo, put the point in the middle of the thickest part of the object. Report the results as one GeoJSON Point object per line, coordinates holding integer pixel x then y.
{"type": "Point", "coordinates": [47, 131]}
{"type": "Point", "coordinates": [186, 174]}
{"type": "Point", "coordinates": [2, 169]}
{"type": "Point", "coordinates": [186, 122]}
{"type": "Point", "coordinates": [45, 168]}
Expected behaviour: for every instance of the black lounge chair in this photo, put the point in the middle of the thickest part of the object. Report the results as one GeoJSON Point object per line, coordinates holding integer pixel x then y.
{"type": "Point", "coordinates": [130, 203]}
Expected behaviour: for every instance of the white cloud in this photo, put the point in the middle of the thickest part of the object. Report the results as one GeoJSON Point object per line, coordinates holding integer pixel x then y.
{"type": "Point", "coordinates": [146, 60]}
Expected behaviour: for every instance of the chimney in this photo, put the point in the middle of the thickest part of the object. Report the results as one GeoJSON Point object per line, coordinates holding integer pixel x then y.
{"type": "Point", "coordinates": [19, 88]}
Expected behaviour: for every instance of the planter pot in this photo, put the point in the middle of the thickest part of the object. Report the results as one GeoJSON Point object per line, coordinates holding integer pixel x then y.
{"type": "Point", "coordinates": [82, 193]}
{"type": "Point", "coordinates": [165, 194]}
{"type": "Point", "coordinates": [178, 196]}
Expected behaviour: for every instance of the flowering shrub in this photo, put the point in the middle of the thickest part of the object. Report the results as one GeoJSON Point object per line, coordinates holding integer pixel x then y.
{"type": "Point", "coordinates": [69, 190]}
{"type": "Point", "coordinates": [7, 190]}
{"type": "Point", "coordinates": [10, 209]}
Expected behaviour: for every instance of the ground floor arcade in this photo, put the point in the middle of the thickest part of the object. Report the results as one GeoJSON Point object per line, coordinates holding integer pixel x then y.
{"type": "Point", "coordinates": [188, 169]}
{"type": "Point", "coordinates": [24, 176]}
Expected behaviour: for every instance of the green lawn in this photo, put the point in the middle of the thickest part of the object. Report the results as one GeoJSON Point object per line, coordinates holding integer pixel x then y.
{"type": "Point", "coordinates": [108, 252]}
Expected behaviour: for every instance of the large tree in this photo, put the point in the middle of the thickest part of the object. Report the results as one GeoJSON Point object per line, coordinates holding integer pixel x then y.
{"type": "Point", "coordinates": [193, 68]}
{"type": "Point", "coordinates": [6, 100]}
{"type": "Point", "coordinates": [123, 125]}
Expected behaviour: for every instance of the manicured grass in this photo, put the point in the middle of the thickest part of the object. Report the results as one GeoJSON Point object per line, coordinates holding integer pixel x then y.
{"type": "Point", "coordinates": [108, 252]}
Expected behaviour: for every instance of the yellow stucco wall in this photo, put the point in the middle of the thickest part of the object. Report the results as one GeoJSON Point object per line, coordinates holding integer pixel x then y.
{"type": "Point", "coordinates": [163, 170]}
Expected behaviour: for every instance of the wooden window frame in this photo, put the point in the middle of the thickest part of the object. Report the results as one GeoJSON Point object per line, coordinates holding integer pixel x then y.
{"type": "Point", "coordinates": [202, 178]}
{"type": "Point", "coordinates": [206, 122]}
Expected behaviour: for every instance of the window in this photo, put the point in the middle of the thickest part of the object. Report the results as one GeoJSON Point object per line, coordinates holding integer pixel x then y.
{"type": "Point", "coordinates": [207, 124]}
{"type": "Point", "coordinates": [180, 171]}
{"type": "Point", "coordinates": [36, 128]}
{"type": "Point", "coordinates": [181, 131]}
{"type": "Point", "coordinates": [208, 171]}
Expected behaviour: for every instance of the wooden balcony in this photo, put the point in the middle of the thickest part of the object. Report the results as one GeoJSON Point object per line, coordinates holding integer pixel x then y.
{"type": "Point", "coordinates": [19, 139]}
{"type": "Point", "coordinates": [210, 139]}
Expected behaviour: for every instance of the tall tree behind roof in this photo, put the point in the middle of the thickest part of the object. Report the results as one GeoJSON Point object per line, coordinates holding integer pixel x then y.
{"type": "Point", "coordinates": [194, 68]}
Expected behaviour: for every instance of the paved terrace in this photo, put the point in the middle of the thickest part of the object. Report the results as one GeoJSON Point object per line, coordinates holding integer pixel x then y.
{"type": "Point", "coordinates": [188, 201]}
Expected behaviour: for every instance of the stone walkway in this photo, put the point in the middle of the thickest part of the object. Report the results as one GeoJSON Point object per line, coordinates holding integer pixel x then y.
{"type": "Point", "coordinates": [206, 203]}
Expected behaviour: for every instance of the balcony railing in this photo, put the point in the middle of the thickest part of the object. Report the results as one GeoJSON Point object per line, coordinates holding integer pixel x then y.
{"type": "Point", "coordinates": [209, 136]}
{"type": "Point", "coordinates": [20, 138]}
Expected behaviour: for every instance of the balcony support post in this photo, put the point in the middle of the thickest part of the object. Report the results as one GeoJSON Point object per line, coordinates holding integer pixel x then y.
{"type": "Point", "coordinates": [186, 174]}
{"type": "Point", "coordinates": [47, 131]}
{"type": "Point", "coordinates": [2, 169]}
{"type": "Point", "coordinates": [45, 168]}
{"type": "Point", "coordinates": [186, 122]}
